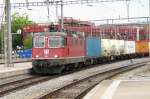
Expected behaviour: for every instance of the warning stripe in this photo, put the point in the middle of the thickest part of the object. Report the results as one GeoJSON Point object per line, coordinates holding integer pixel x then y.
{"type": "Point", "coordinates": [108, 94]}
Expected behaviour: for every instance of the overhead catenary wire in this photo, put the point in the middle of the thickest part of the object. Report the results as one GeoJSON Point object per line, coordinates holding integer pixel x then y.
{"type": "Point", "coordinates": [58, 2]}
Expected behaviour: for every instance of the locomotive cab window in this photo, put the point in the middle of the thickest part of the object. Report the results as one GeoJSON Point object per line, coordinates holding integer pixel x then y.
{"type": "Point", "coordinates": [56, 41]}
{"type": "Point", "coordinates": [38, 41]}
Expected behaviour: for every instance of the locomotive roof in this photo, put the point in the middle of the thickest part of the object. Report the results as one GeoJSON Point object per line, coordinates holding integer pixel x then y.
{"type": "Point", "coordinates": [50, 33]}
{"type": "Point", "coordinates": [77, 34]}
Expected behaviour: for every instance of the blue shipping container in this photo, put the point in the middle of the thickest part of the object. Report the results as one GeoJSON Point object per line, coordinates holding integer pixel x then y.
{"type": "Point", "coordinates": [25, 53]}
{"type": "Point", "coordinates": [93, 47]}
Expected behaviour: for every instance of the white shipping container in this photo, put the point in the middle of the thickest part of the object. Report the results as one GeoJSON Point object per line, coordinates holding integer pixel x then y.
{"type": "Point", "coordinates": [117, 47]}
{"type": "Point", "coordinates": [113, 47]}
{"type": "Point", "coordinates": [129, 47]}
{"type": "Point", "coordinates": [121, 46]}
{"type": "Point", "coordinates": [105, 47]}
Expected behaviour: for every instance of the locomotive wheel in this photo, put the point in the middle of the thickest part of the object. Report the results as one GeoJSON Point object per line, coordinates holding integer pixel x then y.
{"type": "Point", "coordinates": [49, 70]}
{"type": "Point", "coordinates": [45, 68]}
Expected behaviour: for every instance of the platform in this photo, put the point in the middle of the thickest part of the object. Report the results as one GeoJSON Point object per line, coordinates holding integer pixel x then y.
{"type": "Point", "coordinates": [16, 69]}
{"type": "Point", "coordinates": [121, 89]}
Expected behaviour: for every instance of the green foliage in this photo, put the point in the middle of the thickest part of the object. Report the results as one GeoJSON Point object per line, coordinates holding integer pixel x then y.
{"type": "Point", "coordinates": [27, 42]}
{"type": "Point", "coordinates": [18, 21]}
{"type": "Point", "coordinates": [0, 41]}
{"type": "Point", "coordinates": [17, 40]}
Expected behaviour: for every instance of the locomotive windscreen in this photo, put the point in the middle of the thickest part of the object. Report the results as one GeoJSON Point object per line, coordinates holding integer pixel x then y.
{"type": "Point", "coordinates": [55, 41]}
{"type": "Point", "coordinates": [38, 41]}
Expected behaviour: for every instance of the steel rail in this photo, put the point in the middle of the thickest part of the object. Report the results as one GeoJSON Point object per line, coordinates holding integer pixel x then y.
{"type": "Point", "coordinates": [23, 83]}
{"type": "Point", "coordinates": [77, 89]}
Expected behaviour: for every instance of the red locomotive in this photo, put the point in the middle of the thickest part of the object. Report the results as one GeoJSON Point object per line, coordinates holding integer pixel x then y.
{"type": "Point", "coordinates": [53, 50]}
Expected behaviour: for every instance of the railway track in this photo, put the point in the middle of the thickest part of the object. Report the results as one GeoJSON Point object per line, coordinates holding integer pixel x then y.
{"type": "Point", "coordinates": [19, 82]}
{"type": "Point", "coordinates": [78, 88]}
{"type": "Point", "coordinates": [6, 88]}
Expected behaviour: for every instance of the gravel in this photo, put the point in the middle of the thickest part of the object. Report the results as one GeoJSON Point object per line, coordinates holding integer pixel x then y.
{"type": "Point", "coordinates": [142, 73]}
{"type": "Point", "coordinates": [54, 84]}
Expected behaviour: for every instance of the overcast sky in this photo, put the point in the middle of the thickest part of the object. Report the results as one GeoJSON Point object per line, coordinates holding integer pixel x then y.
{"type": "Point", "coordinates": [138, 8]}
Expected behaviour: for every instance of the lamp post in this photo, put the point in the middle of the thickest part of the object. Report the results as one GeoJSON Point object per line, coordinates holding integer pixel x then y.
{"type": "Point", "coordinates": [57, 19]}
{"type": "Point", "coordinates": [48, 16]}
{"type": "Point", "coordinates": [8, 35]}
{"type": "Point", "coordinates": [62, 17]}
{"type": "Point", "coordinates": [149, 28]}
{"type": "Point", "coordinates": [128, 5]}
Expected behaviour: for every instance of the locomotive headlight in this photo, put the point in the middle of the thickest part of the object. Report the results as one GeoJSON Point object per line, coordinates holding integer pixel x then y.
{"type": "Point", "coordinates": [37, 56]}
{"type": "Point", "coordinates": [56, 56]}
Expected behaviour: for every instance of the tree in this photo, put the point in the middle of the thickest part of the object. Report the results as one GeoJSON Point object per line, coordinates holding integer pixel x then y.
{"type": "Point", "coordinates": [18, 21]}
{"type": "Point", "coordinates": [2, 38]}
{"type": "Point", "coordinates": [27, 42]}
{"type": "Point", "coordinates": [0, 41]}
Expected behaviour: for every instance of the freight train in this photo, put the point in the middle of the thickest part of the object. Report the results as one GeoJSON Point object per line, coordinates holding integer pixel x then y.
{"type": "Point", "coordinates": [55, 51]}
